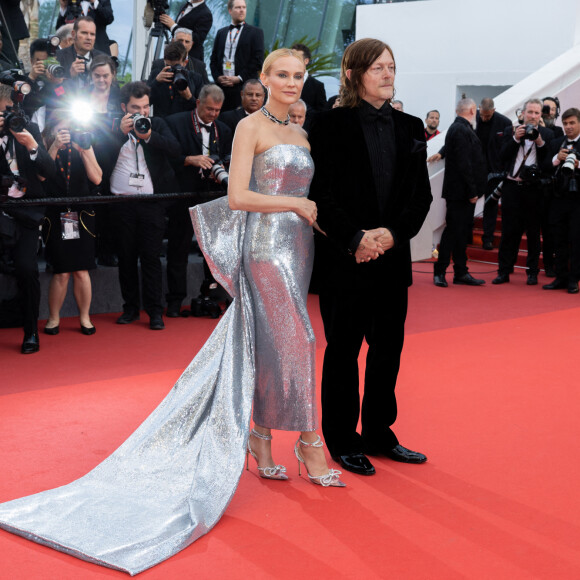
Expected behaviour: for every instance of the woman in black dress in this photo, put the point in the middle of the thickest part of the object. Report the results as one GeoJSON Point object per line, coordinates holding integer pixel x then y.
{"type": "Point", "coordinates": [69, 231]}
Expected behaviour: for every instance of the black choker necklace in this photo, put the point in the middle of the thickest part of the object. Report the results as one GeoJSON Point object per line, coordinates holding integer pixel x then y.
{"type": "Point", "coordinates": [275, 119]}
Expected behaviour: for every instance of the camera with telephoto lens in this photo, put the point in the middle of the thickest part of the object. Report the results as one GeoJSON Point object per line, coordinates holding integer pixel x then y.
{"type": "Point", "coordinates": [217, 169]}
{"type": "Point", "coordinates": [531, 133]}
{"type": "Point", "coordinates": [54, 68]}
{"type": "Point", "coordinates": [569, 163]}
{"type": "Point", "coordinates": [141, 124]}
{"type": "Point", "coordinates": [179, 77]}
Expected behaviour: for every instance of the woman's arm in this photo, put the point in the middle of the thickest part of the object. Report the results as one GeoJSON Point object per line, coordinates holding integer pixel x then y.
{"type": "Point", "coordinates": [92, 167]}
{"type": "Point", "coordinates": [239, 195]}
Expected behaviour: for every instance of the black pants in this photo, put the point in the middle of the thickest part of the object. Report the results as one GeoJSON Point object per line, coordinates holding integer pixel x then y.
{"type": "Point", "coordinates": [456, 236]}
{"type": "Point", "coordinates": [26, 265]}
{"type": "Point", "coordinates": [347, 321]}
{"type": "Point", "coordinates": [565, 226]}
{"type": "Point", "coordinates": [521, 208]}
{"type": "Point", "coordinates": [180, 234]}
{"type": "Point", "coordinates": [489, 216]}
{"type": "Point", "coordinates": [548, 241]}
{"type": "Point", "coordinates": [139, 229]}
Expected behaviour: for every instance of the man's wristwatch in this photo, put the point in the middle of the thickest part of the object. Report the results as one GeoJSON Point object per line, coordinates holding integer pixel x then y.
{"type": "Point", "coordinates": [33, 151]}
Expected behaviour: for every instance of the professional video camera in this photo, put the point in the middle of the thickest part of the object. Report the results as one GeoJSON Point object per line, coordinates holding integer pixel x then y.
{"type": "Point", "coordinates": [532, 132]}
{"type": "Point", "coordinates": [179, 77]}
{"type": "Point", "coordinates": [217, 169]}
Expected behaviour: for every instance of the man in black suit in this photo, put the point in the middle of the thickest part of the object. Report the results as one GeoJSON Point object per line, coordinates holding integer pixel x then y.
{"type": "Point", "coordinates": [166, 96]}
{"type": "Point", "coordinates": [100, 11]}
{"type": "Point", "coordinates": [13, 29]}
{"type": "Point", "coordinates": [313, 92]}
{"type": "Point", "coordinates": [196, 16]}
{"type": "Point", "coordinates": [200, 135]}
{"type": "Point", "coordinates": [23, 154]}
{"type": "Point", "coordinates": [253, 96]}
{"type": "Point", "coordinates": [372, 191]}
{"type": "Point", "coordinates": [185, 36]}
{"type": "Point", "coordinates": [490, 126]}
{"type": "Point", "coordinates": [238, 54]}
{"type": "Point", "coordinates": [565, 208]}
{"type": "Point", "coordinates": [77, 58]}
{"type": "Point", "coordinates": [522, 152]}
{"type": "Point", "coordinates": [143, 167]}
{"type": "Point", "coordinates": [463, 185]}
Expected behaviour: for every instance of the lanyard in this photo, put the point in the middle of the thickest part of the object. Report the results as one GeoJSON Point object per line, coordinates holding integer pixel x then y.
{"type": "Point", "coordinates": [61, 165]}
{"type": "Point", "coordinates": [232, 42]}
{"type": "Point", "coordinates": [197, 129]}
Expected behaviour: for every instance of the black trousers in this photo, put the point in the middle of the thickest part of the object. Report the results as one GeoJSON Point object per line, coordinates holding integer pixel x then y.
{"type": "Point", "coordinates": [521, 208]}
{"type": "Point", "coordinates": [179, 236]}
{"type": "Point", "coordinates": [565, 226]}
{"type": "Point", "coordinates": [139, 229]}
{"type": "Point", "coordinates": [456, 236]}
{"type": "Point", "coordinates": [26, 265]}
{"type": "Point", "coordinates": [347, 321]}
{"type": "Point", "coordinates": [548, 241]}
{"type": "Point", "coordinates": [489, 216]}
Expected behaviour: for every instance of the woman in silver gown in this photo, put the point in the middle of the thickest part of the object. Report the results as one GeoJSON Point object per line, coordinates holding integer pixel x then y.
{"type": "Point", "coordinates": [170, 482]}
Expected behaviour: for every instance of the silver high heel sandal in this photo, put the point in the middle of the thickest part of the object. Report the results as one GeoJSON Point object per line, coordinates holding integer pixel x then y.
{"type": "Point", "coordinates": [331, 479]}
{"type": "Point", "coordinates": [276, 472]}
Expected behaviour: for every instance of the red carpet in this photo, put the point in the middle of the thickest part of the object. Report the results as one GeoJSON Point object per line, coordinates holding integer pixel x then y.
{"type": "Point", "coordinates": [488, 390]}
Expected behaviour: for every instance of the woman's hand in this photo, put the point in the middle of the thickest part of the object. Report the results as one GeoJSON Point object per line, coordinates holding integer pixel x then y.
{"type": "Point", "coordinates": [62, 138]}
{"type": "Point", "coordinates": [307, 209]}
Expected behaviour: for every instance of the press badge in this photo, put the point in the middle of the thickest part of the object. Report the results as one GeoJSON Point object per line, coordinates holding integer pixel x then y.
{"type": "Point", "coordinates": [69, 225]}
{"type": "Point", "coordinates": [229, 69]}
{"type": "Point", "coordinates": [136, 179]}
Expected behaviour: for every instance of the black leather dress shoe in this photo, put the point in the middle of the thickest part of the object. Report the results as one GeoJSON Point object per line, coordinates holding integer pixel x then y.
{"type": "Point", "coordinates": [128, 317]}
{"type": "Point", "coordinates": [355, 462]}
{"type": "Point", "coordinates": [557, 284]}
{"type": "Point", "coordinates": [173, 310]}
{"type": "Point", "coordinates": [532, 280]}
{"type": "Point", "coordinates": [404, 455]}
{"type": "Point", "coordinates": [439, 280]}
{"type": "Point", "coordinates": [30, 343]}
{"type": "Point", "coordinates": [156, 322]}
{"type": "Point", "coordinates": [550, 272]}
{"type": "Point", "coordinates": [487, 246]}
{"type": "Point", "coordinates": [468, 280]}
{"type": "Point", "coordinates": [573, 288]}
{"type": "Point", "coordinates": [501, 279]}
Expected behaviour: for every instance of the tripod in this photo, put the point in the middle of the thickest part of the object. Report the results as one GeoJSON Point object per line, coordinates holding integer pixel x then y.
{"type": "Point", "coordinates": [161, 33]}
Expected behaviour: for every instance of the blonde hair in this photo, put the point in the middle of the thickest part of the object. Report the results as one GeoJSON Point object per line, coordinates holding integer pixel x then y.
{"type": "Point", "coordinates": [280, 53]}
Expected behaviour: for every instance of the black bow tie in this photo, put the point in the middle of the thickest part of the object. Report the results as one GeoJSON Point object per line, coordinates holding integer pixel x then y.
{"type": "Point", "coordinates": [379, 115]}
{"type": "Point", "coordinates": [206, 127]}
{"type": "Point", "coordinates": [573, 143]}
{"type": "Point", "coordinates": [238, 26]}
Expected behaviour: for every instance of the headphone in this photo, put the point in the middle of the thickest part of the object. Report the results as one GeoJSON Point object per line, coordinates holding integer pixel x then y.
{"type": "Point", "coordinates": [557, 101]}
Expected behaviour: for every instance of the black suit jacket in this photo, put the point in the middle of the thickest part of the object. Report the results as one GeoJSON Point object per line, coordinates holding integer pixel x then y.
{"type": "Point", "coordinates": [314, 95]}
{"type": "Point", "coordinates": [344, 191]}
{"type": "Point", "coordinates": [509, 148]}
{"type": "Point", "coordinates": [465, 165]}
{"type": "Point", "coordinates": [232, 118]}
{"type": "Point", "coordinates": [182, 127]}
{"type": "Point", "coordinates": [14, 22]}
{"type": "Point", "coordinates": [498, 125]}
{"type": "Point", "coordinates": [193, 65]}
{"type": "Point", "coordinates": [199, 21]}
{"type": "Point", "coordinates": [162, 147]}
{"type": "Point", "coordinates": [161, 94]}
{"type": "Point", "coordinates": [67, 56]}
{"type": "Point", "coordinates": [102, 15]}
{"type": "Point", "coordinates": [249, 52]}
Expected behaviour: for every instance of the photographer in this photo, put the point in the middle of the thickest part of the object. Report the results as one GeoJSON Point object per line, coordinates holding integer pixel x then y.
{"type": "Point", "coordinates": [23, 156]}
{"type": "Point", "coordinates": [562, 162]}
{"type": "Point", "coordinates": [200, 135]}
{"type": "Point", "coordinates": [76, 59]}
{"type": "Point", "coordinates": [523, 151]}
{"type": "Point", "coordinates": [99, 10]}
{"type": "Point", "coordinates": [550, 112]}
{"type": "Point", "coordinates": [69, 231]}
{"type": "Point", "coordinates": [143, 148]}
{"type": "Point", "coordinates": [174, 88]}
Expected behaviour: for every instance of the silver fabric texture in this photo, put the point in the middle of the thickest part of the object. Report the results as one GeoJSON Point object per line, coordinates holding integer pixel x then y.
{"type": "Point", "coordinates": [171, 481]}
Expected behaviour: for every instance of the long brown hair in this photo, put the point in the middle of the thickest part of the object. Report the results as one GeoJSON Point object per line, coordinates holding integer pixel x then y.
{"type": "Point", "coordinates": [358, 58]}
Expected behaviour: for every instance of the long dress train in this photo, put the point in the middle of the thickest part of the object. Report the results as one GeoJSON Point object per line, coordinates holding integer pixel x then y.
{"type": "Point", "coordinates": [171, 480]}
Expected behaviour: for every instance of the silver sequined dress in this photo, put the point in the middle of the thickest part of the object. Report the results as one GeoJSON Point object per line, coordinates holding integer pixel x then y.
{"type": "Point", "coordinates": [170, 482]}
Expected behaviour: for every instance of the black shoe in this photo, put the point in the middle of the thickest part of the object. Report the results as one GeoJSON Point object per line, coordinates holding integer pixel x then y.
{"type": "Point", "coordinates": [173, 310]}
{"type": "Point", "coordinates": [573, 288]}
{"type": "Point", "coordinates": [439, 280]}
{"type": "Point", "coordinates": [355, 462]}
{"type": "Point", "coordinates": [532, 280]}
{"type": "Point", "coordinates": [30, 343]}
{"type": "Point", "coordinates": [109, 260]}
{"type": "Point", "coordinates": [88, 330]}
{"type": "Point", "coordinates": [487, 246]}
{"type": "Point", "coordinates": [550, 272]}
{"type": "Point", "coordinates": [52, 331]}
{"type": "Point", "coordinates": [557, 284]}
{"type": "Point", "coordinates": [128, 317]}
{"type": "Point", "coordinates": [402, 454]}
{"type": "Point", "coordinates": [156, 322]}
{"type": "Point", "coordinates": [501, 279]}
{"type": "Point", "coordinates": [468, 280]}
